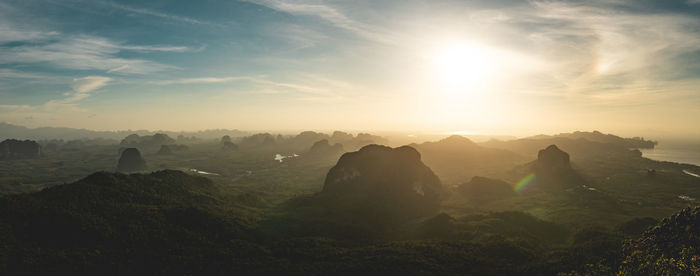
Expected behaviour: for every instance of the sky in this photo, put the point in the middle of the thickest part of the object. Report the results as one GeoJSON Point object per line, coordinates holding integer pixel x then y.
{"type": "Point", "coordinates": [485, 67]}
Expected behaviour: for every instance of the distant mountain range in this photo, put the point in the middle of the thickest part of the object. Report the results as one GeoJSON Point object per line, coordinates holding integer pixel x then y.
{"type": "Point", "coordinates": [597, 136]}
{"type": "Point", "coordinates": [10, 131]}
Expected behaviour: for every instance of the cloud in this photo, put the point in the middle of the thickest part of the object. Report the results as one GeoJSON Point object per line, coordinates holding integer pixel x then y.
{"type": "Point", "coordinates": [14, 74]}
{"type": "Point", "coordinates": [82, 88]}
{"type": "Point", "coordinates": [117, 69]}
{"type": "Point", "coordinates": [203, 80]}
{"type": "Point", "coordinates": [153, 13]}
{"type": "Point", "coordinates": [613, 49]}
{"type": "Point", "coordinates": [66, 107]}
{"type": "Point", "coordinates": [256, 80]}
{"type": "Point", "coordinates": [89, 83]}
{"type": "Point", "coordinates": [19, 107]}
{"type": "Point", "coordinates": [86, 53]}
{"type": "Point", "coordinates": [331, 15]}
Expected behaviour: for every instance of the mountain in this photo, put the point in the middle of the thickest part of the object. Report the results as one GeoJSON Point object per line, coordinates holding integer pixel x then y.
{"type": "Point", "coordinates": [552, 160]}
{"type": "Point", "coordinates": [597, 136]}
{"type": "Point", "coordinates": [227, 144]}
{"type": "Point", "coordinates": [111, 223]}
{"type": "Point", "coordinates": [579, 148]}
{"type": "Point", "coordinates": [165, 150]}
{"type": "Point", "coordinates": [16, 149]}
{"type": "Point", "coordinates": [551, 172]}
{"type": "Point", "coordinates": [131, 161]}
{"type": "Point", "coordinates": [44, 133]}
{"type": "Point", "coordinates": [456, 159]}
{"type": "Point", "coordinates": [382, 179]}
{"type": "Point", "coordinates": [146, 142]}
{"type": "Point", "coordinates": [258, 140]}
{"type": "Point", "coordinates": [323, 148]}
{"type": "Point", "coordinates": [304, 140]}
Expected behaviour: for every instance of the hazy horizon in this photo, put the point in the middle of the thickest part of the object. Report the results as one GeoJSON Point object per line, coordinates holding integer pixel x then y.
{"type": "Point", "coordinates": [505, 68]}
{"type": "Point", "coordinates": [483, 137]}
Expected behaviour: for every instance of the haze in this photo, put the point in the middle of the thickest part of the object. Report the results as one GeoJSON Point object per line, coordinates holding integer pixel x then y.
{"type": "Point", "coordinates": [500, 67]}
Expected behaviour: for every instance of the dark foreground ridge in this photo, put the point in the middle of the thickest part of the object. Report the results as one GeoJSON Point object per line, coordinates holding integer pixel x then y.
{"type": "Point", "coordinates": [670, 248]}
{"type": "Point", "coordinates": [169, 222]}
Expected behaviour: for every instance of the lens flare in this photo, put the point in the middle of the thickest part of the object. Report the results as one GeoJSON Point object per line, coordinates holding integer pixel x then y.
{"type": "Point", "coordinates": [524, 182]}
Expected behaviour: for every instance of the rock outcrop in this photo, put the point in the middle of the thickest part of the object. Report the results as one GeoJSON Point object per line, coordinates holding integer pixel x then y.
{"type": "Point", "coordinates": [131, 161]}
{"type": "Point", "coordinates": [553, 170]}
{"type": "Point", "coordinates": [165, 150]}
{"type": "Point", "coordinates": [258, 140]}
{"type": "Point", "coordinates": [383, 179]}
{"type": "Point", "coordinates": [552, 159]}
{"type": "Point", "coordinates": [227, 144]}
{"type": "Point", "coordinates": [324, 148]}
{"type": "Point", "coordinates": [155, 141]}
{"type": "Point", "coordinates": [456, 158]}
{"type": "Point", "coordinates": [16, 149]}
{"type": "Point", "coordinates": [226, 139]}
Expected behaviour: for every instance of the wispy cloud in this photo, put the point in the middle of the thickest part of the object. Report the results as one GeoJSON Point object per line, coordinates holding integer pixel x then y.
{"type": "Point", "coordinates": [202, 80]}
{"type": "Point", "coordinates": [14, 74]}
{"type": "Point", "coordinates": [86, 53]}
{"type": "Point", "coordinates": [614, 51]}
{"type": "Point", "coordinates": [89, 83]}
{"type": "Point", "coordinates": [82, 88]}
{"type": "Point", "coordinates": [154, 13]}
{"type": "Point", "coordinates": [65, 107]}
{"type": "Point", "coordinates": [307, 87]}
{"type": "Point", "coordinates": [262, 81]}
{"type": "Point", "coordinates": [330, 14]}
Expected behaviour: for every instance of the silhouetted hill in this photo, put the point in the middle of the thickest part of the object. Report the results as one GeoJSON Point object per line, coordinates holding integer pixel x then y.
{"type": "Point", "coordinates": [304, 140]}
{"type": "Point", "coordinates": [131, 161]}
{"type": "Point", "coordinates": [353, 142]}
{"type": "Point", "coordinates": [578, 148]}
{"type": "Point", "coordinates": [456, 159]}
{"type": "Point", "coordinates": [40, 133]}
{"type": "Point", "coordinates": [368, 194]}
{"type": "Point", "coordinates": [170, 149]}
{"type": "Point", "coordinates": [597, 136]}
{"type": "Point", "coordinates": [258, 140]}
{"type": "Point", "coordinates": [227, 144]}
{"type": "Point", "coordinates": [16, 149]}
{"type": "Point", "coordinates": [384, 179]}
{"type": "Point", "coordinates": [323, 148]}
{"type": "Point", "coordinates": [146, 142]}
{"type": "Point", "coordinates": [165, 150]}
{"type": "Point", "coordinates": [110, 223]}
{"type": "Point", "coordinates": [552, 160]}
{"type": "Point", "coordinates": [551, 171]}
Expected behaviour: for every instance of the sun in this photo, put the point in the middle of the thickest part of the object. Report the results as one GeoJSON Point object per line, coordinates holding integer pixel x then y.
{"type": "Point", "coordinates": [464, 67]}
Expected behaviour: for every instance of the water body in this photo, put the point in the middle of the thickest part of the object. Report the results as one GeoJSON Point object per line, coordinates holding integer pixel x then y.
{"type": "Point", "coordinates": [691, 173]}
{"type": "Point", "coordinates": [279, 157]}
{"type": "Point", "coordinates": [686, 198]}
{"type": "Point", "coordinates": [685, 152]}
{"type": "Point", "coordinates": [203, 172]}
